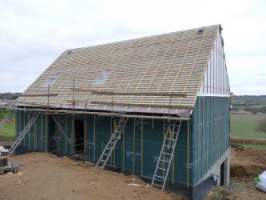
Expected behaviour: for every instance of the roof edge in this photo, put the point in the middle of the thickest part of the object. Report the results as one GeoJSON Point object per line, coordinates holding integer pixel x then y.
{"type": "Point", "coordinates": [144, 37]}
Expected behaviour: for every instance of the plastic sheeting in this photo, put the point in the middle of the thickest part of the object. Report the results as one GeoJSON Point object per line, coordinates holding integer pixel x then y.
{"type": "Point", "coordinates": [261, 184]}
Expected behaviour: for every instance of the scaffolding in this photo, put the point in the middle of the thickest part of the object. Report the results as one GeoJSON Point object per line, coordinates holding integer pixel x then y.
{"type": "Point", "coordinates": [117, 133]}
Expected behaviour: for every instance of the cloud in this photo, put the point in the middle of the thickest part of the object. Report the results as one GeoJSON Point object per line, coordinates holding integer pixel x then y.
{"type": "Point", "coordinates": [34, 33]}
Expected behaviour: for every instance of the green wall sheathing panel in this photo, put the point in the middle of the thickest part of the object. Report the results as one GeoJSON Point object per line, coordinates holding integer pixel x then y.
{"type": "Point", "coordinates": [152, 142]}
{"type": "Point", "coordinates": [210, 133]}
{"type": "Point", "coordinates": [103, 132]}
{"type": "Point", "coordinates": [35, 139]}
{"type": "Point", "coordinates": [39, 136]}
{"type": "Point", "coordinates": [64, 144]}
{"type": "Point", "coordinates": [138, 150]}
{"type": "Point", "coordinates": [136, 153]}
{"type": "Point", "coordinates": [137, 144]}
{"type": "Point", "coordinates": [90, 143]}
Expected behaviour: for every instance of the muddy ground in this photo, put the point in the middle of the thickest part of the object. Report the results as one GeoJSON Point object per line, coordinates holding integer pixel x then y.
{"type": "Point", "coordinates": [44, 176]}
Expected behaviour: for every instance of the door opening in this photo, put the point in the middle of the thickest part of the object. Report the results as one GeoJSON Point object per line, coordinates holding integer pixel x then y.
{"type": "Point", "coordinates": [222, 174]}
{"type": "Point", "coordinates": [79, 136]}
{"type": "Point", "coordinates": [53, 137]}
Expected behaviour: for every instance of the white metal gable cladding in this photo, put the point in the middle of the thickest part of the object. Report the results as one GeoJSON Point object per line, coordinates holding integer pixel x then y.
{"type": "Point", "coordinates": [215, 81]}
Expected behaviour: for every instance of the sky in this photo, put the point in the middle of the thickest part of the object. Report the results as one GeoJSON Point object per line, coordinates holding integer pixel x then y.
{"type": "Point", "coordinates": [33, 33]}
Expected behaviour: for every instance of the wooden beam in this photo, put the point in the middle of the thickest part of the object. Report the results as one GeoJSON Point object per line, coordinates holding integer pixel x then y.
{"type": "Point", "coordinates": [108, 114]}
{"type": "Point", "coordinates": [139, 104]}
{"type": "Point", "coordinates": [40, 95]}
{"type": "Point", "coordinates": [117, 93]}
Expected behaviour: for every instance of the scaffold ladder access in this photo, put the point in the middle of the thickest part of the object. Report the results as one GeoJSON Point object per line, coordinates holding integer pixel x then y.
{"type": "Point", "coordinates": [23, 133]}
{"type": "Point", "coordinates": [166, 155]}
{"type": "Point", "coordinates": [110, 146]}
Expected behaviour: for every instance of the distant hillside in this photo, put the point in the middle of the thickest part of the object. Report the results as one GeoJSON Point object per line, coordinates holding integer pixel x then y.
{"type": "Point", "coordinates": [249, 103]}
{"type": "Point", "coordinates": [9, 96]}
{"type": "Point", "coordinates": [249, 100]}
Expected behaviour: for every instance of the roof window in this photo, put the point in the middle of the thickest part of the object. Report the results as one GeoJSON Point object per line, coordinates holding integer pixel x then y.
{"type": "Point", "coordinates": [104, 75]}
{"type": "Point", "coordinates": [50, 81]}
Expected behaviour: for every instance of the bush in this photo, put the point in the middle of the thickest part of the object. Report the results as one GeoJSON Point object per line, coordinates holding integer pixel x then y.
{"type": "Point", "coordinates": [255, 110]}
{"type": "Point", "coordinates": [235, 108]}
{"type": "Point", "coordinates": [262, 125]}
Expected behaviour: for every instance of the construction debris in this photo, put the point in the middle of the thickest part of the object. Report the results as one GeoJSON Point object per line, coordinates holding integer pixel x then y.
{"type": "Point", "coordinates": [7, 166]}
{"type": "Point", "coordinates": [3, 151]}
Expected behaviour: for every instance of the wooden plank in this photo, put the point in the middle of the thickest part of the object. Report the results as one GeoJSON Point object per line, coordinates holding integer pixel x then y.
{"type": "Point", "coordinates": [141, 104]}
{"type": "Point", "coordinates": [40, 95]}
{"type": "Point", "coordinates": [171, 94]}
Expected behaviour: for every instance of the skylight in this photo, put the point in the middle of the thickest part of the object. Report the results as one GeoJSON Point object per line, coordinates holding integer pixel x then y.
{"type": "Point", "coordinates": [50, 81]}
{"type": "Point", "coordinates": [104, 75]}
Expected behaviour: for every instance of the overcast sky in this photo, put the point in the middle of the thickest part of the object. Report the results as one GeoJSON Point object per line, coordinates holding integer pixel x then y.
{"type": "Point", "coordinates": [33, 33]}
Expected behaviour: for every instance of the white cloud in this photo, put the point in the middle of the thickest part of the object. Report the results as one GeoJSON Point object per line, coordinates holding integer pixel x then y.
{"type": "Point", "coordinates": [33, 33]}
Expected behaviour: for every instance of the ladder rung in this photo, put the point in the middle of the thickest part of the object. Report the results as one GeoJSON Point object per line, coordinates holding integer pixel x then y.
{"type": "Point", "coordinates": [170, 139]}
{"type": "Point", "coordinates": [164, 161]}
{"type": "Point", "coordinates": [161, 177]}
{"type": "Point", "coordinates": [160, 180]}
{"type": "Point", "coordinates": [169, 146]}
{"type": "Point", "coordinates": [166, 153]}
{"type": "Point", "coordinates": [161, 169]}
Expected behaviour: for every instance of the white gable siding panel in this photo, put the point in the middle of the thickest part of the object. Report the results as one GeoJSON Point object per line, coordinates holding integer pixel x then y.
{"type": "Point", "coordinates": [215, 81]}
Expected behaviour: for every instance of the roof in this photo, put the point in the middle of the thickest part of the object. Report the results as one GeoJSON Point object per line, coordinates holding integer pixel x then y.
{"type": "Point", "coordinates": [161, 73]}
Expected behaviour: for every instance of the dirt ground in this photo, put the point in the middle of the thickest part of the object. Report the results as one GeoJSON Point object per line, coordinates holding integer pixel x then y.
{"type": "Point", "coordinates": [44, 176]}
{"type": "Point", "coordinates": [246, 165]}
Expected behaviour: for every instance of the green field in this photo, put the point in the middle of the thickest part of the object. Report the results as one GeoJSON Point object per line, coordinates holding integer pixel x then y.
{"type": "Point", "coordinates": [245, 125]}
{"type": "Point", "coordinates": [7, 132]}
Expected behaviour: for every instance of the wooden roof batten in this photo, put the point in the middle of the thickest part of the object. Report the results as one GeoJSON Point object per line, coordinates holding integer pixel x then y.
{"type": "Point", "coordinates": [106, 92]}
{"type": "Point", "coordinates": [152, 73]}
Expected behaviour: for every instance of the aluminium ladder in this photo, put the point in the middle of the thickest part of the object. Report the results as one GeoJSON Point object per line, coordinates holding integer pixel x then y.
{"type": "Point", "coordinates": [166, 155]}
{"type": "Point", "coordinates": [116, 135]}
{"type": "Point", "coordinates": [23, 133]}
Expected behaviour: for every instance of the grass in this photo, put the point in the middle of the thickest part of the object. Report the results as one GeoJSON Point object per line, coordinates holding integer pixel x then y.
{"type": "Point", "coordinates": [245, 125]}
{"type": "Point", "coordinates": [7, 132]}
{"type": "Point", "coordinates": [254, 146]}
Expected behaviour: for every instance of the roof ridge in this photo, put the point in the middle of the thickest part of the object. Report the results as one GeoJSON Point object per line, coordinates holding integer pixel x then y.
{"type": "Point", "coordinates": [140, 38]}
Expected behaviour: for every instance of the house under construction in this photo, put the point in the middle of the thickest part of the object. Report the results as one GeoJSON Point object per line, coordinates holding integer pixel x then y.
{"type": "Point", "coordinates": [157, 107]}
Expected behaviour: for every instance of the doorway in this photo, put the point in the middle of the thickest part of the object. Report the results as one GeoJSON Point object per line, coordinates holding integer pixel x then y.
{"type": "Point", "coordinates": [222, 173]}
{"type": "Point", "coordinates": [53, 137]}
{"type": "Point", "coordinates": [79, 136]}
